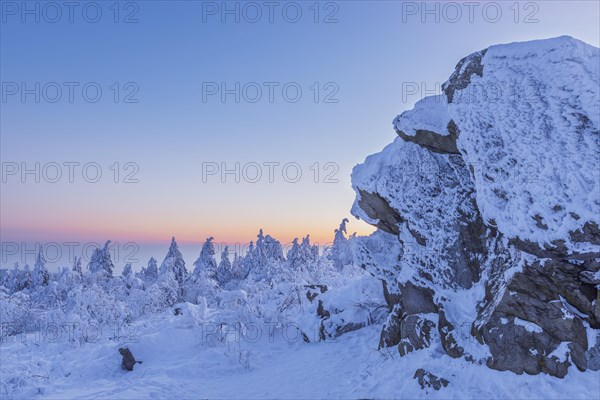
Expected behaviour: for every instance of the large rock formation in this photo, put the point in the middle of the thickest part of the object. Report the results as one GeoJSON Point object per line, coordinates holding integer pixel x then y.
{"type": "Point", "coordinates": [487, 206]}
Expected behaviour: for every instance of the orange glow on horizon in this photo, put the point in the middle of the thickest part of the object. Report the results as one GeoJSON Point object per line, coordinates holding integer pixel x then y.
{"type": "Point", "coordinates": [183, 234]}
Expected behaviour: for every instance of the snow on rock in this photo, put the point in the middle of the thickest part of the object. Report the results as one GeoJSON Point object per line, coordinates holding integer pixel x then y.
{"type": "Point", "coordinates": [429, 114]}
{"type": "Point", "coordinates": [495, 183]}
{"type": "Point", "coordinates": [431, 196]}
{"type": "Point", "coordinates": [529, 128]}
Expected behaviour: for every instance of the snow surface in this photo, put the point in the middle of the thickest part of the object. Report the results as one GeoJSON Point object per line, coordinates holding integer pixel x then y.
{"type": "Point", "coordinates": [180, 362]}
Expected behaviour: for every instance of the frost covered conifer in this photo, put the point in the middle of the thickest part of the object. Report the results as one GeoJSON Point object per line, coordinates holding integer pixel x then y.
{"type": "Point", "coordinates": [6, 279]}
{"type": "Point", "coordinates": [101, 261]}
{"type": "Point", "coordinates": [302, 257]}
{"type": "Point", "coordinates": [341, 253]}
{"type": "Point", "coordinates": [224, 270]}
{"type": "Point", "coordinates": [247, 262]}
{"type": "Point", "coordinates": [206, 260]}
{"type": "Point", "coordinates": [268, 248]}
{"type": "Point", "coordinates": [202, 283]}
{"type": "Point", "coordinates": [293, 255]}
{"type": "Point", "coordinates": [151, 272]}
{"type": "Point", "coordinates": [309, 252]}
{"type": "Point", "coordinates": [77, 265]}
{"type": "Point", "coordinates": [261, 259]}
{"type": "Point", "coordinates": [127, 272]}
{"type": "Point", "coordinates": [40, 275]}
{"type": "Point", "coordinates": [24, 278]}
{"type": "Point", "coordinates": [174, 263]}
{"type": "Point", "coordinates": [237, 267]}
{"type": "Point", "coordinates": [11, 279]}
{"type": "Point", "coordinates": [15, 277]}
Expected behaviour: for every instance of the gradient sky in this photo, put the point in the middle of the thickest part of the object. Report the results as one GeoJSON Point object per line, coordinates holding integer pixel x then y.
{"type": "Point", "coordinates": [370, 54]}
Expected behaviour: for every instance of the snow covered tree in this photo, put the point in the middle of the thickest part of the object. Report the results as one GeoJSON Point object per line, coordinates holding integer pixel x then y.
{"type": "Point", "coordinates": [24, 278]}
{"type": "Point", "coordinates": [302, 256]}
{"type": "Point", "coordinates": [202, 284]}
{"type": "Point", "coordinates": [224, 270]}
{"type": "Point", "coordinates": [260, 259]}
{"type": "Point", "coordinates": [127, 272]}
{"type": "Point", "coordinates": [40, 276]}
{"type": "Point", "coordinates": [101, 261]}
{"type": "Point", "coordinates": [7, 280]}
{"type": "Point", "coordinates": [268, 248]}
{"type": "Point", "coordinates": [237, 267]}
{"type": "Point", "coordinates": [13, 285]}
{"type": "Point", "coordinates": [174, 263]}
{"type": "Point", "coordinates": [206, 260]}
{"type": "Point", "coordinates": [67, 280]}
{"type": "Point", "coordinates": [77, 265]}
{"type": "Point", "coordinates": [247, 262]}
{"type": "Point", "coordinates": [293, 255]}
{"type": "Point", "coordinates": [309, 252]}
{"type": "Point", "coordinates": [341, 253]}
{"type": "Point", "coordinates": [150, 273]}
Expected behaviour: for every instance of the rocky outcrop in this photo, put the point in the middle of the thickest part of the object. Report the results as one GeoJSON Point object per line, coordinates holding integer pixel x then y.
{"type": "Point", "coordinates": [376, 207]}
{"type": "Point", "coordinates": [411, 324]}
{"type": "Point", "coordinates": [447, 337]}
{"type": "Point", "coordinates": [488, 212]}
{"type": "Point", "coordinates": [543, 307]}
{"type": "Point", "coordinates": [432, 141]}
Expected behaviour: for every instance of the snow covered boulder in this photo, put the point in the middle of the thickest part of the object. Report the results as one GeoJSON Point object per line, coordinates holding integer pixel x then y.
{"type": "Point", "coordinates": [345, 309]}
{"type": "Point", "coordinates": [489, 199]}
{"type": "Point", "coordinates": [429, 380]}
{"type": "Point", "coordinates": [528, 121]}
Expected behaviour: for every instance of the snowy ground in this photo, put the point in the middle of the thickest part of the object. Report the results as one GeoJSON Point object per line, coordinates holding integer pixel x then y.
{"type": "Point", "coordinates": [183, 359]}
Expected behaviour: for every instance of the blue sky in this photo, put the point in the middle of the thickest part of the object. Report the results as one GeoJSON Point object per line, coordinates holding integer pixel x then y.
{"type": "Point", "coordinates": [359, 64]}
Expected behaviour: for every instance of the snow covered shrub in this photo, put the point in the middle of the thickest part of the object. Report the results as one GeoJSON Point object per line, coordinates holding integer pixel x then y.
{"type": "Point", "coordinates": [94, 303]}
{"type": "Point", "coordinates": [17, 315]}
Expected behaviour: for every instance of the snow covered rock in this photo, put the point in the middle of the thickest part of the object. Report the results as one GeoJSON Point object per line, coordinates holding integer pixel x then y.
{"type": "Point", "coordinates": [488, 208]}
{"type": "Point", "coordinates": [429, 380]}
{"type": "Point", "coordinates": [345, 309]}
{"type": "Point", "coordinates": [528, 122]}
